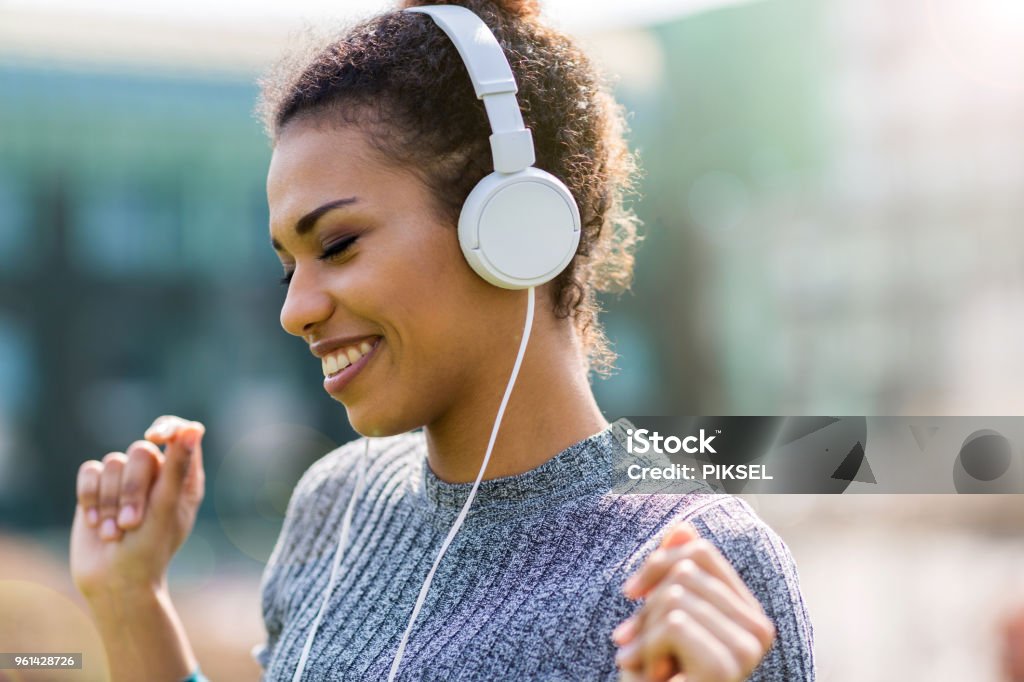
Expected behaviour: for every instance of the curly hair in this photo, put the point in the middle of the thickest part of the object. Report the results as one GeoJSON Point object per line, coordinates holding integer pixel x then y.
{"type": "Point", "coordinates": [401, 80]}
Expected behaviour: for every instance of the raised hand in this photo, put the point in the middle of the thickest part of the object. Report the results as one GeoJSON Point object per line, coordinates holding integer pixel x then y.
{"type": "Point", "coordinates": [136, 508]}
{"type": "Point", "coordinates": [698, 623]}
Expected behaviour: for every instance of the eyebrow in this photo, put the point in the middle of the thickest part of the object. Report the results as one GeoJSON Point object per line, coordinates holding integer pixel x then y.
{"type": "Point", "coordinates": [306, 223]}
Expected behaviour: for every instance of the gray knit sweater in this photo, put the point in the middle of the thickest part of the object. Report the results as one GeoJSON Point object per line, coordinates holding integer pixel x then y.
{"type": "Point", "coordinates": [530, 588]}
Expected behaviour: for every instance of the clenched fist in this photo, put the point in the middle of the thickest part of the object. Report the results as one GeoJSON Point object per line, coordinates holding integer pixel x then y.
{"type": "Point", "coordinates": [136, 508]}
{"type": "Point", "coordinates": [699, 621]}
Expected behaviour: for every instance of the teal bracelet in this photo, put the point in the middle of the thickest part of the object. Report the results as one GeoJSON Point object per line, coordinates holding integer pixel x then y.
{"type": "Point", "coordinates": [197, 676]}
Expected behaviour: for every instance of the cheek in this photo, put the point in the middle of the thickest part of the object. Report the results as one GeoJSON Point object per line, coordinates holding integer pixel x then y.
{"type": "Point", "coordinates": [438, 306]}
{"type": "Point", "coordinates": [434, 307]}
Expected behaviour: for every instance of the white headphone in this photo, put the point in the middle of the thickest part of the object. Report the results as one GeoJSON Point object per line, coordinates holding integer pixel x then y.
{"type": "Point", "coordinates": [520, 226]}
{"type": "Point", "coordinates": [518, 229]}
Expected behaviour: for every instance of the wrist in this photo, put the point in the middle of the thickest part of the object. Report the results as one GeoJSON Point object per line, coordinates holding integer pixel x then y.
{"type": "Point", "coordinates": [127, 593]}
{"type": "Point", "coordinates": [124, 604]}
{"type": "Point", "coordinates": [142, 633]}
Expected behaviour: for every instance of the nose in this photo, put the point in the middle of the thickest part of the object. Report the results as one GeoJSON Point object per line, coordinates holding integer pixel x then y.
{"type": "Point", "coordinates": [306, 305]}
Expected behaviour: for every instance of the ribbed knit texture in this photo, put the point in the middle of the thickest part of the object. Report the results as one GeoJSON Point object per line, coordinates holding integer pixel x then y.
{"type": "Point", "coordinates": [530, 588]}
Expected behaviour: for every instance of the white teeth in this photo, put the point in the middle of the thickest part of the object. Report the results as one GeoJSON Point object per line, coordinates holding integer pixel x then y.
{"type": "Point", "coordinates": [339, 360]}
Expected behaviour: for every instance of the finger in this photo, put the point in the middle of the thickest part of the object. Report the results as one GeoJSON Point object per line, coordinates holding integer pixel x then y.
{"type": "Point", "coordinates": [663, 669]}
{"type": "Point", "coordinates": [164, 427]}
{"type": "Point", "coordinates": [742, 644]}
{"type": "Point", "coordinates": [144, 463]}
{"type": "Point", "coordinates": [707, 556]}
{"type": "Point", "coordinates": [88, 490]}
{"type": "Point", "coordinates": [695, 650]}
{"type": "Point", "coordinates": [195, 477]}
{"type": "Point", "coordinates": [110, 493]}
{"type": "Point", "coordinates": [625, 631]}
{"type": "Point", "coordinates": [630, 676]}
{"type": "Point", "coordinates": [689, 575]}
{"type": "Point", "coordinates": [182, 471]}
{"type": "Point", "coordinates": [679, 534]}
{"type": "Point", "coordinates": [702, 552]}
{"type": "Point", "coordinates": [669, 595]}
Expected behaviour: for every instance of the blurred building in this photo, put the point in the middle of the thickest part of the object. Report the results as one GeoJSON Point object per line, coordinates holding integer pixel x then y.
{"type": "Point", "coordinates": [136, 274]}
{"type": "Point", "coordinates": [835, 190]}
{"type": "Point", "coordinates": [922, 196]}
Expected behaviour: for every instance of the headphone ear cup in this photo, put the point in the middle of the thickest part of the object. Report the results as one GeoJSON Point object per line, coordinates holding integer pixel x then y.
{"type": "Point", "coordinates": [519, 230]}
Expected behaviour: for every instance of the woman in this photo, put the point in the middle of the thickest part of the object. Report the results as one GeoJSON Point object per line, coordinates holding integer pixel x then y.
{"type": "Point", "coordinates": [396, 560]}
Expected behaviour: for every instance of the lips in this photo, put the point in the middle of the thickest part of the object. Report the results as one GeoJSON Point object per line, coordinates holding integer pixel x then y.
{"type": "Point", "coordinates": [341, 366]}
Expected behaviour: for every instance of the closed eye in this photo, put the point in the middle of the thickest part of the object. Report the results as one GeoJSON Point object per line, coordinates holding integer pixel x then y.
{"type": "Point", "coordinates": [334, 250]}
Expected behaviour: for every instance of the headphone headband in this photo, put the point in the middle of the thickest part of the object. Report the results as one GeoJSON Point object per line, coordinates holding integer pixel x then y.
{"type": "Point", "coordinates": [493, 81]}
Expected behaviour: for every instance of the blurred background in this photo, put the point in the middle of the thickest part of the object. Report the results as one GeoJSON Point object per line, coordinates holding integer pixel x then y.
{"type": "Point", "coordinates": [832, 207]}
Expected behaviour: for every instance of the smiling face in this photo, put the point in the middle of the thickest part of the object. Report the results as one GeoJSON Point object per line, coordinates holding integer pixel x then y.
{"type": "Point", "coordinates": [377, 278]}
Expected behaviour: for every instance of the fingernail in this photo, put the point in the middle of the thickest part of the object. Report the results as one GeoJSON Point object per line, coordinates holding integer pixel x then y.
{"type": "Point", "coordinates": [126, 515]}
{"type": "Point", "coordinates": [163, 429]}
{"type": "Point", "coordinates": [92, 516]}
{"type": "Point", "coordinates": [109, 529]}
{"type": "Point", "coordinates": [629, 587]}
{"type": "Point", "coordinates": [624, 654]}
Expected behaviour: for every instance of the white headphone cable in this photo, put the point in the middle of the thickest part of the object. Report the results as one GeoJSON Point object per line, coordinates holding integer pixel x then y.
{"type": "Point", "coordinates": [347, 520]}
{"type": "Point", "coordinates": [346, 523]}
{"type": "Point", "coordinates": [476, 484]}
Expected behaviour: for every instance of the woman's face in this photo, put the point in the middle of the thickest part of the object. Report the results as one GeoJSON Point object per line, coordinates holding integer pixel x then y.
{"type": "Point", "coordinates": [377, 278]}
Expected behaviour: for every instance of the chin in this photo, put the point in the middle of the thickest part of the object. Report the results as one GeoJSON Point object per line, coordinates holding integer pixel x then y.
{"type": "Point", "coordinates": [371, 422]}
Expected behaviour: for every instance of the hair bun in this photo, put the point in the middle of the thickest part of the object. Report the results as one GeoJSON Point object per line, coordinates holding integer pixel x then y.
{"type": "Point", "coordinates": [519, 9]}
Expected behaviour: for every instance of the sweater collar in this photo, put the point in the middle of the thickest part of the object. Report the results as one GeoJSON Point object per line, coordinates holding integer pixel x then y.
{"type": "Point", "coordinates": [583, 467]}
